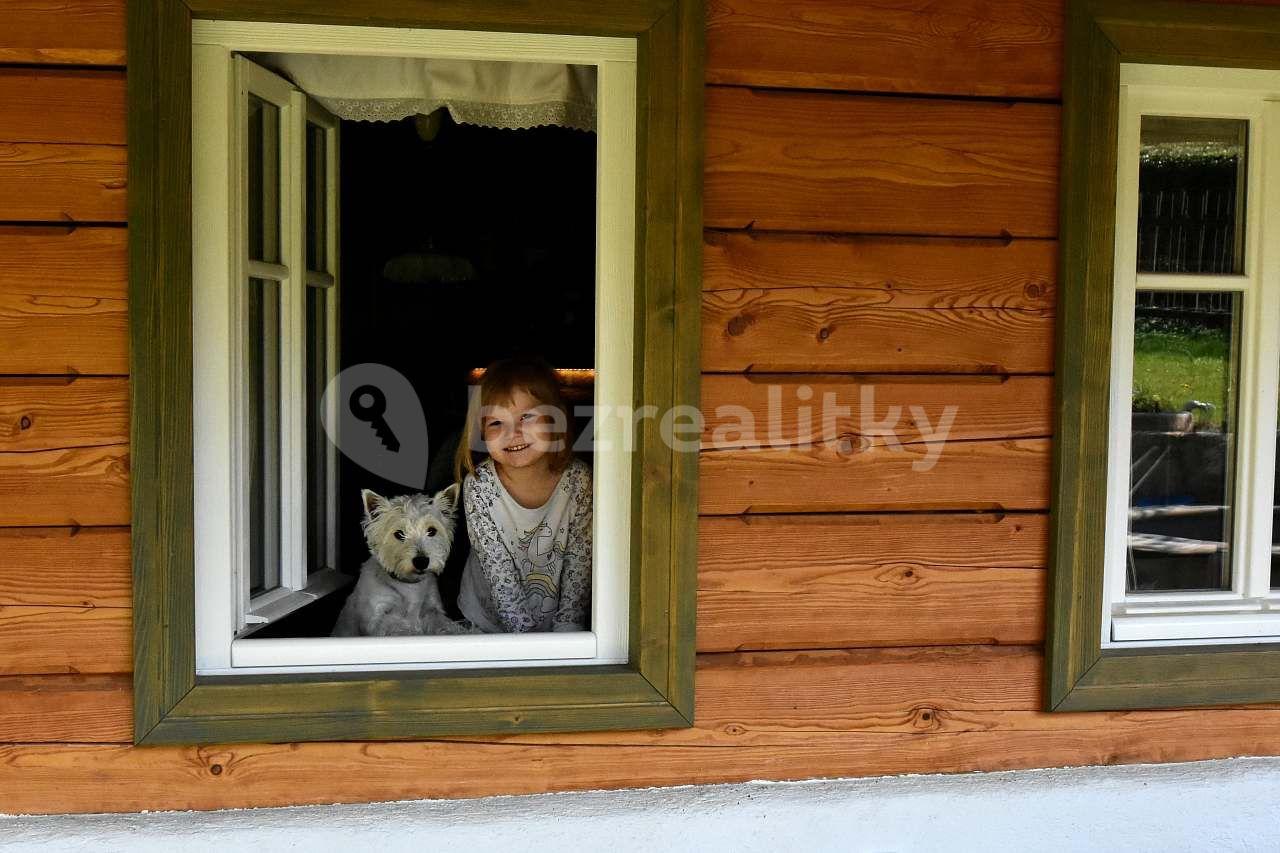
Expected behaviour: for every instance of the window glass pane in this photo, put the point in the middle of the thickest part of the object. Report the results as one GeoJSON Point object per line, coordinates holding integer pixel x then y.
{"type": "Point", "coordinates": [317, 189]}
{"type": "Point", "coordinates": [1181, 473]}
{"type": "Point", "coordinates": [317, 446]}
{"type": "Point", "coordinates": [262, 399]}
{"type": "Point", "coordinates": [1191, 195]}
{"type": "Point", "coordinates": [264, 181]}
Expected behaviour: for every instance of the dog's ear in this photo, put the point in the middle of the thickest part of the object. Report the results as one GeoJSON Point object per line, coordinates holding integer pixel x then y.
{"type": "Point", "coordinates": [446, 500]}
{"type": "Point", "coordinates": [374, 503]}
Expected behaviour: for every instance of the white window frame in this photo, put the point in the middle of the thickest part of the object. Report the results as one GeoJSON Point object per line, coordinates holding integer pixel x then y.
{"type": "Point", "coordinates": [221, 647]}
{"type": "Point", "coordinates": [1250, 610]}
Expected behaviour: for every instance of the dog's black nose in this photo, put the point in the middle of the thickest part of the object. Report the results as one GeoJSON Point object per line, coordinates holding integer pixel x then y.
{"type": "Point", "coordinates": [421, 564]}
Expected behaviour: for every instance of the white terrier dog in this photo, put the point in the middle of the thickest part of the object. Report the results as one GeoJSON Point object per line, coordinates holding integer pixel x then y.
{"type": "Point", "coordinates": [397, 594]}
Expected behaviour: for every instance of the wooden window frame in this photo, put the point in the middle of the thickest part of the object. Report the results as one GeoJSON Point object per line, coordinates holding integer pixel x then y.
{"type": "Point", "coordinates": [655, 688]}
{"type": "Point", "coordinates": [1080, 674]}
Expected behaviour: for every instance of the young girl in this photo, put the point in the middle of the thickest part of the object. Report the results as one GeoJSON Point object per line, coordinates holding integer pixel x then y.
{"type": "Point", "coordinates": [527, 506]}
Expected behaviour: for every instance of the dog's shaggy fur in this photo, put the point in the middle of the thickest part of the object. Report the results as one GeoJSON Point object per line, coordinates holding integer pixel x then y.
{"type": "Point", "coordinates": [397, 595]}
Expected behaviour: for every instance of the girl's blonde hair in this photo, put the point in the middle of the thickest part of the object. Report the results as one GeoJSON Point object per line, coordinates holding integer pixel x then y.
{"type": "Point", "coordinates": [501, 379]}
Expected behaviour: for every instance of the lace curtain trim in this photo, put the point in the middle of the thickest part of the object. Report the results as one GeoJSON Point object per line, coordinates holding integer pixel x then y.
{"type": "Point", "coordinates": [506, 116]}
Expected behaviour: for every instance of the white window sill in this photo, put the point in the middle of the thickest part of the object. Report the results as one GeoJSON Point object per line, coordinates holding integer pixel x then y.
{"type": "Point", "coordinates": [354, 654]}
{"type": "Point", "coordinates": [1190, 622]}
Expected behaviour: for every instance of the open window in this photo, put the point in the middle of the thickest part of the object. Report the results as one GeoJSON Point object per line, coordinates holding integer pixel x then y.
{"type": "Point", "coordinates": [467, 240]}
{"type": "Point", "coordinates": [334, 232]}
{"type": "Point", "coordinates": [266, 347]}
{"type": "Point", "coordinates": [1168, 364]}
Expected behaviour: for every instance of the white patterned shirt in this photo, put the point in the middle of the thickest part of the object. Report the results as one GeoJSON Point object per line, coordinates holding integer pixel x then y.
{"type": "Point", "coordinates": [529, 568]}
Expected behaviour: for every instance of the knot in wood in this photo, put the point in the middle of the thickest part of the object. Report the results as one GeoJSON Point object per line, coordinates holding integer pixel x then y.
{"type": "Point", "coordinates": [1035, 290]}
{"type": "Point", "coordinates": [824, 333]}
{"type": "Point", "coordinates": [25, 422]}
{"type": "Point", "coordinates": [215, 769]}
{"type": "Point", "coordinates": [735, 729]}
{"type": "Point", "coordinates": [849, 443]}
{"type": "Point", "coordinates": [901, 575]}
{"type": "Point", "coordinates": [739, 324]}
{"type": "Point", "coordinates": [925, 718]}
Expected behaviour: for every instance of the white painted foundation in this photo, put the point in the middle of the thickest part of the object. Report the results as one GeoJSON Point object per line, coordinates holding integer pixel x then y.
{"type": "Point", "coordinates": [1210, 805]}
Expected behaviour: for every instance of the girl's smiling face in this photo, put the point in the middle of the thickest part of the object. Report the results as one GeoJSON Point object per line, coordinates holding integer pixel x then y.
{"type": "Point", "coordinates": [522, 432]}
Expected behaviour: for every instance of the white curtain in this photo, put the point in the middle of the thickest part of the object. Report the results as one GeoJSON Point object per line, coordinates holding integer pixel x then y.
{"type": "Point", "coordinates": [494, 94]}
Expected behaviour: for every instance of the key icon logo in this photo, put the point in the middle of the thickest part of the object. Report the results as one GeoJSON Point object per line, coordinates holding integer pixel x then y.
{"type": "Point", "coordinates": [373, 415]}
{"type": "Point", "coordinates": [369, 404]}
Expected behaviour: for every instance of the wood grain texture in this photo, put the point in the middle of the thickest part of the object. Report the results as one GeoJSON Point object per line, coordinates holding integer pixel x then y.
{"type": "Point", "coordinates": [67, 567]}
{"type": "Point", "coordinates": [61, 183]}
{"type": "Point", "coordinates": [853, 474]}
{"type": "Point", "coordinates": [66, 708]}
{"type": "Point", "coordinates": [63, 305]}
{"type": "Point", "coordinates": [759, 716]}
{"type": "Point", "coordinates": [80, 486]}
{"type": "Point", "coordinates": [788, 410]}
{"type": "Point", "coordinates": [38, 640]}
{"type": "Point", "coordinates": [62, 105]}
{"type": "Point", "coordinates": [830, 581]}
{"type": "Point", "coordinates": [811, 329]}
{"type": "Point", "coordinates": [38, 413]}
{"type": "Point", "coordinates": [827, 582]}
{"type": "Point", "coordinates": [1005, 48]}
{"type": "Point", "coordinates": [793, 161]}
{"type": "Point", "coordinates": [903, 272]}
{"type": "Point", "coordinates": [63, 32]}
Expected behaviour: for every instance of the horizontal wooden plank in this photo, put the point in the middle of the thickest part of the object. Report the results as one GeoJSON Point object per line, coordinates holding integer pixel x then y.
{"type": "Point", "coordinates": [38, 413]}
{"type": "Point", "coordinates": [760, 410]}
{"type": "Point", "coordinates": [86, 486]}
{"type": "Point", "coordinates": [887, 272]}
{"type": "Point", "coordinates": [41, 640]}
{"type": "Point", "coordinates": [61, 183]}
{"type": "Point", "coordinates": [61, 105]}
{"type": "Point", "coordinates": [1005, 48]}
{"type": "Point", "coordinates": [760, 716]}
{"type": "Point", "coordinates": [811, 330]}
{"type": "Point", "coordinates": [829, 582]}
{"type": "Point", "coordinates": [851, 474]}
{"type": "Point", "coordinates": [68, 567]}
{"type": "Point", "coordinates": [789, 161]}
{"type": "Point", "coordinates": [66, 708]}
{"type": "Point", "coordinates": [63, 305]}
{"type": "Point", "coordinates": [63, 32]}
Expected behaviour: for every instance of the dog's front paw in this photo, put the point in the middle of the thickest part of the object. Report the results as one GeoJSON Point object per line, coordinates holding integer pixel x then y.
{"type": "Point", "coordinates": [393, 626]}
{"type": "Point", "coordinates": [438, 624]}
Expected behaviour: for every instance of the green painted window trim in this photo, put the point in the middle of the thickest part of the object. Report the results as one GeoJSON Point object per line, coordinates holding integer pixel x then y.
{"type": "Point", "coordinates": [1080, 675]}
{"type": "Point", "coordinates": [655, 689]}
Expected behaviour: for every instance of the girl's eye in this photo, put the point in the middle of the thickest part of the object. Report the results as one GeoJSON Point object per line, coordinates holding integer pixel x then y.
{"type": "Point", "coordinates": [527, 416]}
{"type": "Point", "coordinates": [400, 535]}
{"type": "Point", "coordinates": [431, 531]}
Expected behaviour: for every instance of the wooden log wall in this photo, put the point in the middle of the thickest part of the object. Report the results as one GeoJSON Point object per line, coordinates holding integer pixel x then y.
{"type": "Point", "coordinates": [881, 197]}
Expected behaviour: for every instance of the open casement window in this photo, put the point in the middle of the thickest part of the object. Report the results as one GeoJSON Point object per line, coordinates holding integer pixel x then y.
{"type": "Point", "coordinates": [235, 326]}
{"type": "Point", "coordinates": [1166, 588]}
{"type": "Point", "coordinates": [265, 320]}
{"type": "Point", "coordinates": [267, 493]}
